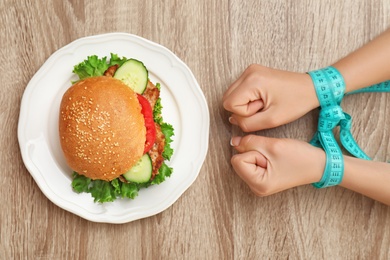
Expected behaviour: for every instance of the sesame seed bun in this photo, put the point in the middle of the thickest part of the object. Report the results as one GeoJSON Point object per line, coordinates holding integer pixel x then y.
{"type": "Point", "coordinates": [102, 130]}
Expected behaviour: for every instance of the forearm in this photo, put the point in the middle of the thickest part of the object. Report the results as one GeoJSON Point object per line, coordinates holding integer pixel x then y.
{"type": "Point", "coordinates": [369, 178]}
{"type": "Point", "coordinates": [368, 65]}
{"type": "Point", "coordinates": [362, 68]}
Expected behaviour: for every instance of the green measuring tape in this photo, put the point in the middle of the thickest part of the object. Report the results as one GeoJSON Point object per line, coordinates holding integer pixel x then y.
{"type": "Point", "coordinates": [330, 89]}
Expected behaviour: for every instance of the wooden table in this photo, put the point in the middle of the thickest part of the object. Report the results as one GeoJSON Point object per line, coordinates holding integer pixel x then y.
{"type": "Point", "coordinates": [217, 217]}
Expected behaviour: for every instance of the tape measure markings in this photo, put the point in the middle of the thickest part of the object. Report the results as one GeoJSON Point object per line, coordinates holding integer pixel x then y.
{"type": "Point", "coordinates": [329, 87]}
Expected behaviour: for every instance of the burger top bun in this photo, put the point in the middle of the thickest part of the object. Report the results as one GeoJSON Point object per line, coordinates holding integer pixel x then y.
{"type": "Point", "coordinates": [102, 130]}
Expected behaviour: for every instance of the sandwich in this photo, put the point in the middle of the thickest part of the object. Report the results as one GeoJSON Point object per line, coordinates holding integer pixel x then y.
{"type": "Point", "coordinates": [111, 130]}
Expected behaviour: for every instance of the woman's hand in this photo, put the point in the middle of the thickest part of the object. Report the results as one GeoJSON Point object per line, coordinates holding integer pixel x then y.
{"type": "Point", "coordinates": [270, 165]}
{"type": "Point", "coordinates": [264, 98]}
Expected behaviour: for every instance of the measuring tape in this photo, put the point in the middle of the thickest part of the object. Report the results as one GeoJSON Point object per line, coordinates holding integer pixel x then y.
{"type": "Point", "coordinates": [330, 89]}
{"type": "Point", "coordinates": [380, 87]}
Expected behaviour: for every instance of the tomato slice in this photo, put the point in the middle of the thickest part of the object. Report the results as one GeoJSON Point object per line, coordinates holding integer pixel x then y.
{"type": "Point", "coordinates": [147, 112]}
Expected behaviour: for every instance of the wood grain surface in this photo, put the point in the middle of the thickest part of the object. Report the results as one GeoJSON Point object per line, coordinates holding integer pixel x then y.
{"type": "Point", "coordinates": [217, 217]}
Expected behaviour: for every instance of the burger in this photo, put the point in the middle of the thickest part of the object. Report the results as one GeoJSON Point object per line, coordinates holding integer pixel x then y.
{"type": "Point", "coordinates": [111, 130]}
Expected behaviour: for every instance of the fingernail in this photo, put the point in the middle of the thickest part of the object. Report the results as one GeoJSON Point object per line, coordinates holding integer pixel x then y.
{"type": "Point", "coordinates": [235, 141]}
{"type": "Point", "coordinates": [232, 120]}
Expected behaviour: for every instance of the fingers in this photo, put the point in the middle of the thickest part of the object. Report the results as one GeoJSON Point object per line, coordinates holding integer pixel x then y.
{"type": "Point", "coordinates": [232, 87]}
{"type": "Point", "coordinates": [263, 145]}
{"type": "Point", "coordinates": [248, 102]}
{"type": "Point", "coordinates": [248, 109]}
{"type": "Point", "coordinates": [269, 165]}
{"type": "Point", "coordinates": [255, 164]}
{"type": "Point", "coordinates": [239, 81]}
{"type": "Point", "coordinates": [244, 101]}
{"type": "Point", "coordinates": [250, 166]}
{"type": "Point", "coordinates": [261, 120]}
{"type": "Point", "coordinates": [263, 98]}
{"type": "Point", "coordinates": [243, 97]}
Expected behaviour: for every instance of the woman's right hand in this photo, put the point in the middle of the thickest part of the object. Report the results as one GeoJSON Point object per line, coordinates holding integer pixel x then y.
{"type": "Point", "coordinates": [264, 98]}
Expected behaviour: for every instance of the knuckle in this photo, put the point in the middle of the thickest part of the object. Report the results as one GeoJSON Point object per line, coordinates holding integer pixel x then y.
{"type": "Point", "coordinates": [262, 194]}
{"type": "Point", "coordinates": [244, 126]}
{"type": "Point", "coordinates": [248, 139]}
{"type": "Point", "coordinates": [226, 104]}
{"type": "Point", "coordinates": [275, 146]}
{"type": "Point", "coordinates": [235, 160]}
{"type": "Point", "coordinates": [253, 68]}
{"type": "Point", "coordinates": [262, 191]}
{"type": "Point", "coordinates": [274, 121]}
{"type": "Point", "coordinates": [256, 72]}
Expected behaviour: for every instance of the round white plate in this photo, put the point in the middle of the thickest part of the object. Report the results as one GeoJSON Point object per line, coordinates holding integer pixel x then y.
{"type": "Point", "coordinates": [184, 106]}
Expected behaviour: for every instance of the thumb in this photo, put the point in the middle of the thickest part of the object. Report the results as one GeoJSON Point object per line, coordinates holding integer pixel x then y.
{"type": "Point", "coordinates": [251, 143]}
{"type": "Point", "coordinates": [245, 107]}
{"type": "Point", "coordinates": [263, 119]}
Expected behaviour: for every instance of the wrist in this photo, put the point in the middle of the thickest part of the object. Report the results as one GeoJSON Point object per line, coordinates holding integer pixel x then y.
{"type": "Point", "coordinates": [349, 77]}
{"type": "Point", "coordinates": [308, 91]}
{"type": "Point", "coordinates": [313, 164]}
{"type": "Point", "coordinates": [318, 159]}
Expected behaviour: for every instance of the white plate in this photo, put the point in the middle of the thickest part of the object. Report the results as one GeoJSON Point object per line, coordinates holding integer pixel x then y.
{"type": "Point", "coordinates": [184, 106]}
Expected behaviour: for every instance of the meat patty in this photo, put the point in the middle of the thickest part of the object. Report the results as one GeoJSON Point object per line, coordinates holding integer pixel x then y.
{"type": "Point", "coordinates": [151, 93]}
{"type": "Point", "coordinates": [156, 152]}
{"type": "Point", "coordinates": [111, 70]}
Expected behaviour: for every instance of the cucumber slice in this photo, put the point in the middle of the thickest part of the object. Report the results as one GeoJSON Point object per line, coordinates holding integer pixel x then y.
{"type": "Point", "coordinates": [141, 172]}
{"type": "Point", "coordinates": [134, 74]}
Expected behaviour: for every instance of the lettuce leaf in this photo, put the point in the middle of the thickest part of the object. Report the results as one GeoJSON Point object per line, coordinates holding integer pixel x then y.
{"type": "Point", "coordinates": [164, 172]}
{"type": "Point", "coordinates": [129, 190]}
{"type": "Point", "coordinates": [80, 183]}
{"type": "Point", "coordinates": [115, 60]}
{"type": "Point", "coordinates": [103, 191]}
{"type": "Point", "coordinates": [168, 132]}
{"type": "Point", "coordinates": [157, 112]}
{"type": "Point", "coordinates": [92, 66]}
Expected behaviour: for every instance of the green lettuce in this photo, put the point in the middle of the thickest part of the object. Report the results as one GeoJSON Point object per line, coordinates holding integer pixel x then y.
{"type": "Point", "coordinates": [116, 60]}
{"type": "Point", "coordinates": [168, 132]}
{"type": "Point", "coordinates": [80, 183]}
{"type": "Point", "coordinates": [164, 172]}
{"type": "Point", "coordinates": [93, 66]}
{"type": "Point", "coordinates": [104, 191]}
{"type": "Point", "coordinates": [157, 112]}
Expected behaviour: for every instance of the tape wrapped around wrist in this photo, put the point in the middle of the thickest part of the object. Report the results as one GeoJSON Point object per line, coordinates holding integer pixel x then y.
{"type": "Point", "coordinates": [329, 85]}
